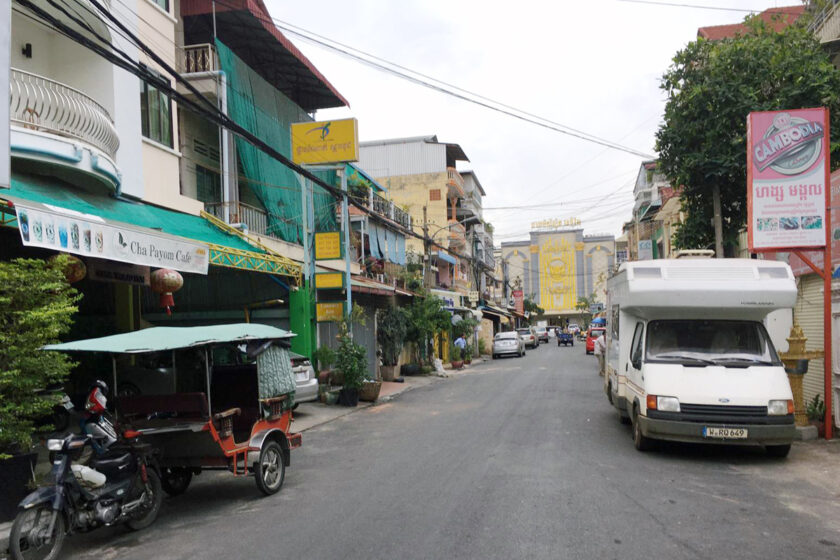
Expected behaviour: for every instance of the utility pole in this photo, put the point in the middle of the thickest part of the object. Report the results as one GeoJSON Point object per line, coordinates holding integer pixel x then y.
{"type": "Point", "coordinates": [427, 259]}
{"type": "Point", "coordinates": [718, 221]}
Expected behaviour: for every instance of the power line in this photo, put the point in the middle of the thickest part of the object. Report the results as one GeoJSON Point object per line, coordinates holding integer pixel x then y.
{"type": "Point", "coordinates": [699, 7]}
{"type": "Point", "coordinates": [440, 86]}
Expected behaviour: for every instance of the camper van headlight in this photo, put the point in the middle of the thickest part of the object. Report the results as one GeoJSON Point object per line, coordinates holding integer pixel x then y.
{"type": "Point", "coordinates": [668, 404]}
{"type": "Point", "coordinates": [779, 408]}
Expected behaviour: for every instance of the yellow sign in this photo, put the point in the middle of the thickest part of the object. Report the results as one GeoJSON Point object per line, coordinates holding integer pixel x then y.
{"type": "Point", "coordinates": [325, 142]}
{"type": "Point", "coordinates": [329, 280]}
{"type": "Point", "coordinates": [328, 245]}
{"type": "Point", "coordinates": [329, 311]}
{"type": "Point", "coordinates": [558, 274]}
{"type": "Point", "coordinates": [556, 223]}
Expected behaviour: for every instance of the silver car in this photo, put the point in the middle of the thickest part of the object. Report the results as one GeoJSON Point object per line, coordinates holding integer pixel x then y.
{"type": "Point", "coordinates": [306, 388]}
{"type": "Point", "coordinates": [508, 343]}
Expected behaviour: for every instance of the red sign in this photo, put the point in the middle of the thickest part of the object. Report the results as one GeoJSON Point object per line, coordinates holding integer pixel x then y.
{"type": "Point", "coordinates": [787, 179]}
{"type": "Point", "coordinates": [519, 301]}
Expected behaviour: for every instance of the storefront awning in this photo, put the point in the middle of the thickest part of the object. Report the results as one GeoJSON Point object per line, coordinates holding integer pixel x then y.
{"type": "Point", "coordinates": [128, 231]}
{"type": "Point", "coordinates": [445, 257]}
{"type": "Point", "coordinates": [494, 311]}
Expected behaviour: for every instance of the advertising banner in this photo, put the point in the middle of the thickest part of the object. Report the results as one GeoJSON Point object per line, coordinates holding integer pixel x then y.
{"type": "Point", "coordinates": [645, 249]}
{"type": "Point", "coordinates": [519, 301]}
{"type": "Point", "coordinates": [326, 311]}
{"type": "Point", "coordinates": [329, 280]}
{"type": "Point", "coordinates": [325, 142]}
{"type": "Point", "coordinates": [91, 236]}
{"type": "Point", "coordinates": [328, 245]}
{"type": "Point", "coordinates": [787, 179]}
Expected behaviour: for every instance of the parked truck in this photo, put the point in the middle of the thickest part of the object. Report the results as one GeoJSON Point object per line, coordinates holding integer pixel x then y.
{"type": "Point", "coordinates": [688, 355]}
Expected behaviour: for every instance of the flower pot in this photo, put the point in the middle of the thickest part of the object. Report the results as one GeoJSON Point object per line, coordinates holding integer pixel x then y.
{"type": "Point", "coordinates": [457, 365]}
{"type": "Point", "coordinates": [331, 397]}
{"type": "Point", "coordinates": [820, 424]}
{"type": "Point", "coordinates": [15, 473]}
{"type": "Point", "coordinates": [410, 369]}
{"type": "Point", "coordinates": [468, 362]}
{"type": "Point", "coordinates": [336, 377]}
{"type": "Point", "coordinates": [388, 372]}
{"type": "Point", "coordinates": [348, 397]}
{"type": "Point", "coordinates": [324, 377]}
{"type": "Point", "coordinates": [370, 391]}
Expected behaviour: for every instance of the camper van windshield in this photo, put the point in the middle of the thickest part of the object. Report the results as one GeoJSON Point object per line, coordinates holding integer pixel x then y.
{"type": "Point", "coordinates": [710, 342]}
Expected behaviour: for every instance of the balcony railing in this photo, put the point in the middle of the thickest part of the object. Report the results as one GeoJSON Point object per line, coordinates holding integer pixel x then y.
{"type": "Point", "coordinates": [239, 213]}
{"type": "Point", "coordinates": [199, 58]}
{"type": "Point", "coordinates": [457, 234]}
{"type": "Point", "coordinates": [385, 208]}
{"type": "Point", "coordinates": [455, 183]}
{"type": "Point", "coordinates": [821, 22]}
{"type": "Point", "coordinates": [38, 103]}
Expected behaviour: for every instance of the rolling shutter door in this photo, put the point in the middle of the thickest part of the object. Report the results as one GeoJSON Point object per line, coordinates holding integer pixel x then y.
{"type": "Point", "coordinates": [809, 313]}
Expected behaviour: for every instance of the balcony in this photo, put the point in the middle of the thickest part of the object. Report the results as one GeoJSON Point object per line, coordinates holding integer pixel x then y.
{"type": "Point", "coordinates": [826, 23]}
{"type": "Point", "coordinates": [199, 58]}
{"type": "Point", "coordinates": [454, 183]}
{"type": "Point", "coordinates": [56, 125]}
{"type": "Point", "coordinates": [38, 103]}
{"type": "Point", "coordinates": [457, 234]}
{"type": "Point", "coordinates": [382, 206]}
{"type": "Point", "coordinates": [239, 213]}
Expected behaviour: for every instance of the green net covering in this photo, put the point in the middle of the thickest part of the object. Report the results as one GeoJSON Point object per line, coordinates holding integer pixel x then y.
{"type": "Point", "coordinates": [261, 109]}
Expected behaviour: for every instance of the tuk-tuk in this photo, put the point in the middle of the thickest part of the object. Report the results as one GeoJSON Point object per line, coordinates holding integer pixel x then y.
{"type": "Point", "coordinates": [233, 409]}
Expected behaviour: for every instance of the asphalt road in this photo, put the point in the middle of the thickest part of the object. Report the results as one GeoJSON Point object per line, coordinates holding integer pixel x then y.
{"type": "Point", "coordinates": [519, 458]}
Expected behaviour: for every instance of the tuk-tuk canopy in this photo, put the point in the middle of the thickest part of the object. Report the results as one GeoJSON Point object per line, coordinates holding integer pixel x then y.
{"type": "Point", "coordinates": [158, 339]}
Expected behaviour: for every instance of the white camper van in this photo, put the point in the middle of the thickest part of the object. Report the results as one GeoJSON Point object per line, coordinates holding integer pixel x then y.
{"type": "Point", "coordinates": [688, 356]}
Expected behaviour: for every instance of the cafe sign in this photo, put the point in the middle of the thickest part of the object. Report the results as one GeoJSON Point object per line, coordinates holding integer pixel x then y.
{"type": "Point", "coordinates": [88, 235]}
{"type": "Point", "coordinates": [326, 311]}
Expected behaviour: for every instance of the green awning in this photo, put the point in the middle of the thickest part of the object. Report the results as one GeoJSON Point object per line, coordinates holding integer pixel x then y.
{"type": "Point", "coordinates": [226, 249]}
{"type": "Point", "coordinates": [159, 339]}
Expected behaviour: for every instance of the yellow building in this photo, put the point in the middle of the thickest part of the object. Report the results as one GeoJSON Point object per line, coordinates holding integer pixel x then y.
{"type": "Point", "coordinates": [558, 265]}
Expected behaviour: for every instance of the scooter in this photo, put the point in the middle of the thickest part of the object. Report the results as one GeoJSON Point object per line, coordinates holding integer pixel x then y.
{"type": "Point", "coordinates": [121, 485]}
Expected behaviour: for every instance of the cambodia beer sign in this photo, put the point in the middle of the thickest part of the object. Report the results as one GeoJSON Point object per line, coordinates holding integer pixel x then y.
{"type": "Point", "coordinates": [787, 179]}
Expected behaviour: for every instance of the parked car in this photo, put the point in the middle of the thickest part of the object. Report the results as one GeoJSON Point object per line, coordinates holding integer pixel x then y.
{"type": "Point", "coordinates": [508, 343]}
{"type": "Point", "coordinates": [529, 335]}
{"type": "Point", "coordinates": [306, 382]}
{"type": "Point", "coordinates": [542, 334]}
{"type": "Point", "coordinates": [594, 333]}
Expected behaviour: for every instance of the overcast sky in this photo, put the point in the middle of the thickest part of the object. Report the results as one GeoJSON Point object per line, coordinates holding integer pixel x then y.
{"type": "Point", "coordinates": [593, 66]}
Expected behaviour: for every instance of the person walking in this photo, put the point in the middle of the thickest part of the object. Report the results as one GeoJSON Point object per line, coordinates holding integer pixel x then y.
{"type": "Point", "coordinates": [460, 342]}
{"type": "Point", "coordinates": [600, 352]}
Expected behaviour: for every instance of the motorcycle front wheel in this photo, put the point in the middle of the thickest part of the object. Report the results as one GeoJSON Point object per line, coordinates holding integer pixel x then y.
{"type": "Point", "coordinates": [31, 538]}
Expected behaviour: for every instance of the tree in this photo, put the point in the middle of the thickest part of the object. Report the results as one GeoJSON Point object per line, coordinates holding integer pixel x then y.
{"type": "Point", "coordinates": [424, 317]}
{"type": "Point", "coordinates": [530, 307]}
{"type": "Point", "coordinates": [584, 305]}
{"type": "Point", "coordinates": [711, 87]}
{"type": "Point", "coordinates": [36, 307]}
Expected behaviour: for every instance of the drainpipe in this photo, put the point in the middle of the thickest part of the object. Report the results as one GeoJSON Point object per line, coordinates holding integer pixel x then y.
{"type": "Point", "coordinates": [225, 141]}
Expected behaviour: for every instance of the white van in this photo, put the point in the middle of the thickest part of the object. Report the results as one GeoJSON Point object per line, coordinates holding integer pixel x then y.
{"type": "Point", "coordinates": [689, 358]}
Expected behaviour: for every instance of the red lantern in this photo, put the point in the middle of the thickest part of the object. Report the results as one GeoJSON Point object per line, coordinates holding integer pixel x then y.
{"type": "Point", "coordinates": [164, 281]}
{"type": "Point", "coordinates": [74, 269]}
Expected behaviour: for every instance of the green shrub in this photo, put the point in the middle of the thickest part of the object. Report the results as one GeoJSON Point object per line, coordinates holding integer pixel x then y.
{"type": "Point", "coordinates": [815, 410]}
{"type": "Point", "coordinates": [36, 308]}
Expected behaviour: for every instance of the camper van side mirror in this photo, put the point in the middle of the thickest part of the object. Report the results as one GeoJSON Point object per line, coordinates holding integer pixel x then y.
{"type": "Point", "coordinates": [636, 359]}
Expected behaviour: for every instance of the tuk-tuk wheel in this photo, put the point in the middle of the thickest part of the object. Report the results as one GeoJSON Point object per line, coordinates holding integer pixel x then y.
{"type": "Point", "coordinates": [270, 470]}
{"type": "Point", "coordinates": [175, 480]}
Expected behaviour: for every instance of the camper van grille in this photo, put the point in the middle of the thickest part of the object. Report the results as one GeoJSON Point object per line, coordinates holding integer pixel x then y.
{"type": "Point", "coordinates": [714, 410]}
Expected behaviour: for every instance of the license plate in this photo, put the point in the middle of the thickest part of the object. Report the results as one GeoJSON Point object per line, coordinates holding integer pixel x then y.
{"type": "Point", "coordinates": [300, 376]}
{"type": "Point", "coordinates": [725, 433]}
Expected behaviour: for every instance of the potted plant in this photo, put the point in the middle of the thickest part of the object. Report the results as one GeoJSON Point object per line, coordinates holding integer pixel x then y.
{"type": "Point", "coordinates": [424, 317]}
{"type": "Point", "coordinates": [324, 359]}
{"type": "Point", "coordinates": [482, 347]}
{"type": "Point", "coordinates": [36, 307]}
{"type": "Point", "coordinates": [351, 362]}
{"type": "Point", "coordinates": [468, 352]}
{"type": "Point", "coordinates": [390, 334]}
{"type": "Point", "coordinates": [456, 358]}
{"type": "Point", "coordinates": [815, 410]}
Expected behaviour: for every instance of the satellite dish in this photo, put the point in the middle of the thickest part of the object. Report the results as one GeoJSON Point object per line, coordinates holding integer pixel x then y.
{"type": "Point", "coordinates": [456, 319]}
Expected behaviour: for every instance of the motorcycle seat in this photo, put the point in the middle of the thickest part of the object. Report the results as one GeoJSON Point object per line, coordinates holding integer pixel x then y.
{"type": "Point", "coordinates": [115, 464]}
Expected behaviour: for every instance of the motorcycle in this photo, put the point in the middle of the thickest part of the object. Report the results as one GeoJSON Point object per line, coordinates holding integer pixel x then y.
{"type": "Point", "coordinates": [121, 485]}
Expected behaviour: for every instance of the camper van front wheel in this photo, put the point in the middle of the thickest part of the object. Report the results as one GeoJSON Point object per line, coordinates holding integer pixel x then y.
{"type": "Point", "coordinates": [641, 442]}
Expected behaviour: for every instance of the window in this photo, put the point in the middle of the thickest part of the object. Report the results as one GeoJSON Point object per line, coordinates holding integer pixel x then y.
{"type": "Point", "coordinates": [434, 194]}
{"type": "Point", "coordinates": [162, 4]}
{"type": "Point", "coordinates": [636, 346]}
{"type": "Point", "coordinates": [208, 185]}
{"type": "Point", "coordinates": [614, 323]}
{"type": "Point", "coordinates": [710, 342]}
{"type": "Point", "coordinates": [155, 112]}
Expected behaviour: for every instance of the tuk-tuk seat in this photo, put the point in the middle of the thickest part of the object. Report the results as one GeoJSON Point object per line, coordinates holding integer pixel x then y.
{"type": "Point", "coordinates": [274, 406]}
{"type": "Point", "coordinates": [225, 421]}
{"type": "Point", "coordinates": [177, 406]}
